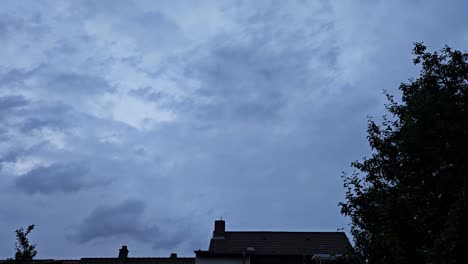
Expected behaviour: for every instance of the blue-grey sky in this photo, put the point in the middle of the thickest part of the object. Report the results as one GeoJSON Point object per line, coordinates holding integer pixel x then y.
{"type": "Point", "coordinates": [140, 122]}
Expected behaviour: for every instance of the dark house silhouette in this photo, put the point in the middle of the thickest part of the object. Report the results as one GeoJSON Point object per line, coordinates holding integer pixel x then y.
{"type": "Point", "coordinates": [259, 247]}
{"type": "Point", "coordinates": [245, 247]}
{"type": "Point", "coordinates": [124, 259]}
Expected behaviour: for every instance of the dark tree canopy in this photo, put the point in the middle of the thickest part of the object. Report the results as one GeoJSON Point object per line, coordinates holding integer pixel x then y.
{"type": "Point", "coordinates": [408, 202]}
{"type": "Point", "coordinates": [25, 251]}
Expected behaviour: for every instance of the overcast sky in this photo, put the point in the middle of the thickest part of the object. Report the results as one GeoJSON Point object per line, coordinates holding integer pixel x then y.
{"type": "Point", "coordinates": [141, 122]}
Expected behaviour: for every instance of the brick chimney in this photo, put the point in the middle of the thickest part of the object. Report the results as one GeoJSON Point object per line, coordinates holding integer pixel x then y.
{"type": "Point", "coordinates": [123, 254]}
{"type": "Point", "coordinates": [219, 229]}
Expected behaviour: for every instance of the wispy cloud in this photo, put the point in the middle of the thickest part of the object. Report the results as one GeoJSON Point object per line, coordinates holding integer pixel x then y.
{"type": "Point", "coordinates": [54, 178]}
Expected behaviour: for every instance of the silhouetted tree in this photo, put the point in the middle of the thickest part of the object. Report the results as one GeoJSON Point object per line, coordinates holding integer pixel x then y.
{"type": "Point", "coordinates": [408, 202]}
{"type": "Point", "coordinates": [25, 251]}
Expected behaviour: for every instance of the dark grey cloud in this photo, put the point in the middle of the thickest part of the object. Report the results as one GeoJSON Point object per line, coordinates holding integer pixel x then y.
{"type": "Point", "coordinates": [54, 178]}
{"type": "Point", "coordinates": [15, 76]}
{"type": "Point", "coordinates": [245, 83]}
{"type": "Point", "coordinates": [10, 107]}
{"type": "Point", "coordinates": [124, 221]}
{"type": "Point", "coordinates": [12, 101]}
{"type": "Point", "coordinates": [3, 134]}
{"type": "Point", "coordinates": [147, 28]}
{"type": "Point", "coordinates": [76, 84]}
{"type": "Point", "coordinates": [147, 93]}
{"type": "Point", "coordinates": [34, 123]}
{"type": "Point", "coordinates": [253, 76]}
{"type": "Point", "coordinates": [162, 33]}
{"type": "Point", "coordinates": [11, 156]}
{"type": "Point", "coordinates": [56, 81]}
{"type": "Point", "coordinates": [32, 25]}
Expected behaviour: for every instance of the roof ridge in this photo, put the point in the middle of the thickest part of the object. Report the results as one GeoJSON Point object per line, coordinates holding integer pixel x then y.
{"type": "Point", "coordinates": [299, 232]}
{"type": "Point", "coordinates": [99, 258]}
{"type": "Point", "coordinates": [47, 259]}
{"type": "Point", "coordinates": [158, 257]}
{"type": "Point", "coordinates": [138, 258]}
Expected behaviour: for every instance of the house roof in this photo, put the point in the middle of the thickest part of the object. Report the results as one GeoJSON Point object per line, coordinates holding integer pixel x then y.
{"type": "Point", "coordinates": [177, 260]}
{"type": "Point", "coordinates": [281, 243]}
{"type": "Point", "coordinates": [51, 261]}
{"type": "Point", "coordinates": [59, 261]}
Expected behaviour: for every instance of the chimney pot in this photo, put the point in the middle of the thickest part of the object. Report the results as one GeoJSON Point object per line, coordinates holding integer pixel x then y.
{"type": "Point", "coordinates": [219, 229]}
{"type": "Point", "coordinates": [123, 254]}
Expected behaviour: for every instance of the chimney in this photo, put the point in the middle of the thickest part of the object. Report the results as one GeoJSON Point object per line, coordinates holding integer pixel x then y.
{"type": "Point", "coordinates": [219, 229]}
{"type": "Point", "coordinates": [173, 255]}
{"type": "Point", "coordinates": [123, 254]}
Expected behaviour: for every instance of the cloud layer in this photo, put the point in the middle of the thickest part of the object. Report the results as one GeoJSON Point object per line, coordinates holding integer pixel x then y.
{"type": "Point", "coordinates": [57, 177]}
{"type": "Point", "coordinates": [124, 222]}
{"type": "Point", "coordinates": [140, 122]}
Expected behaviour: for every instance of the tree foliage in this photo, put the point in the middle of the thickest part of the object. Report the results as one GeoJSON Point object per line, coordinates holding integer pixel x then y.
{"type": "Point", "coordinates": [25, 251]}
{"type": "Point", "coordinates": [408, 202]}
